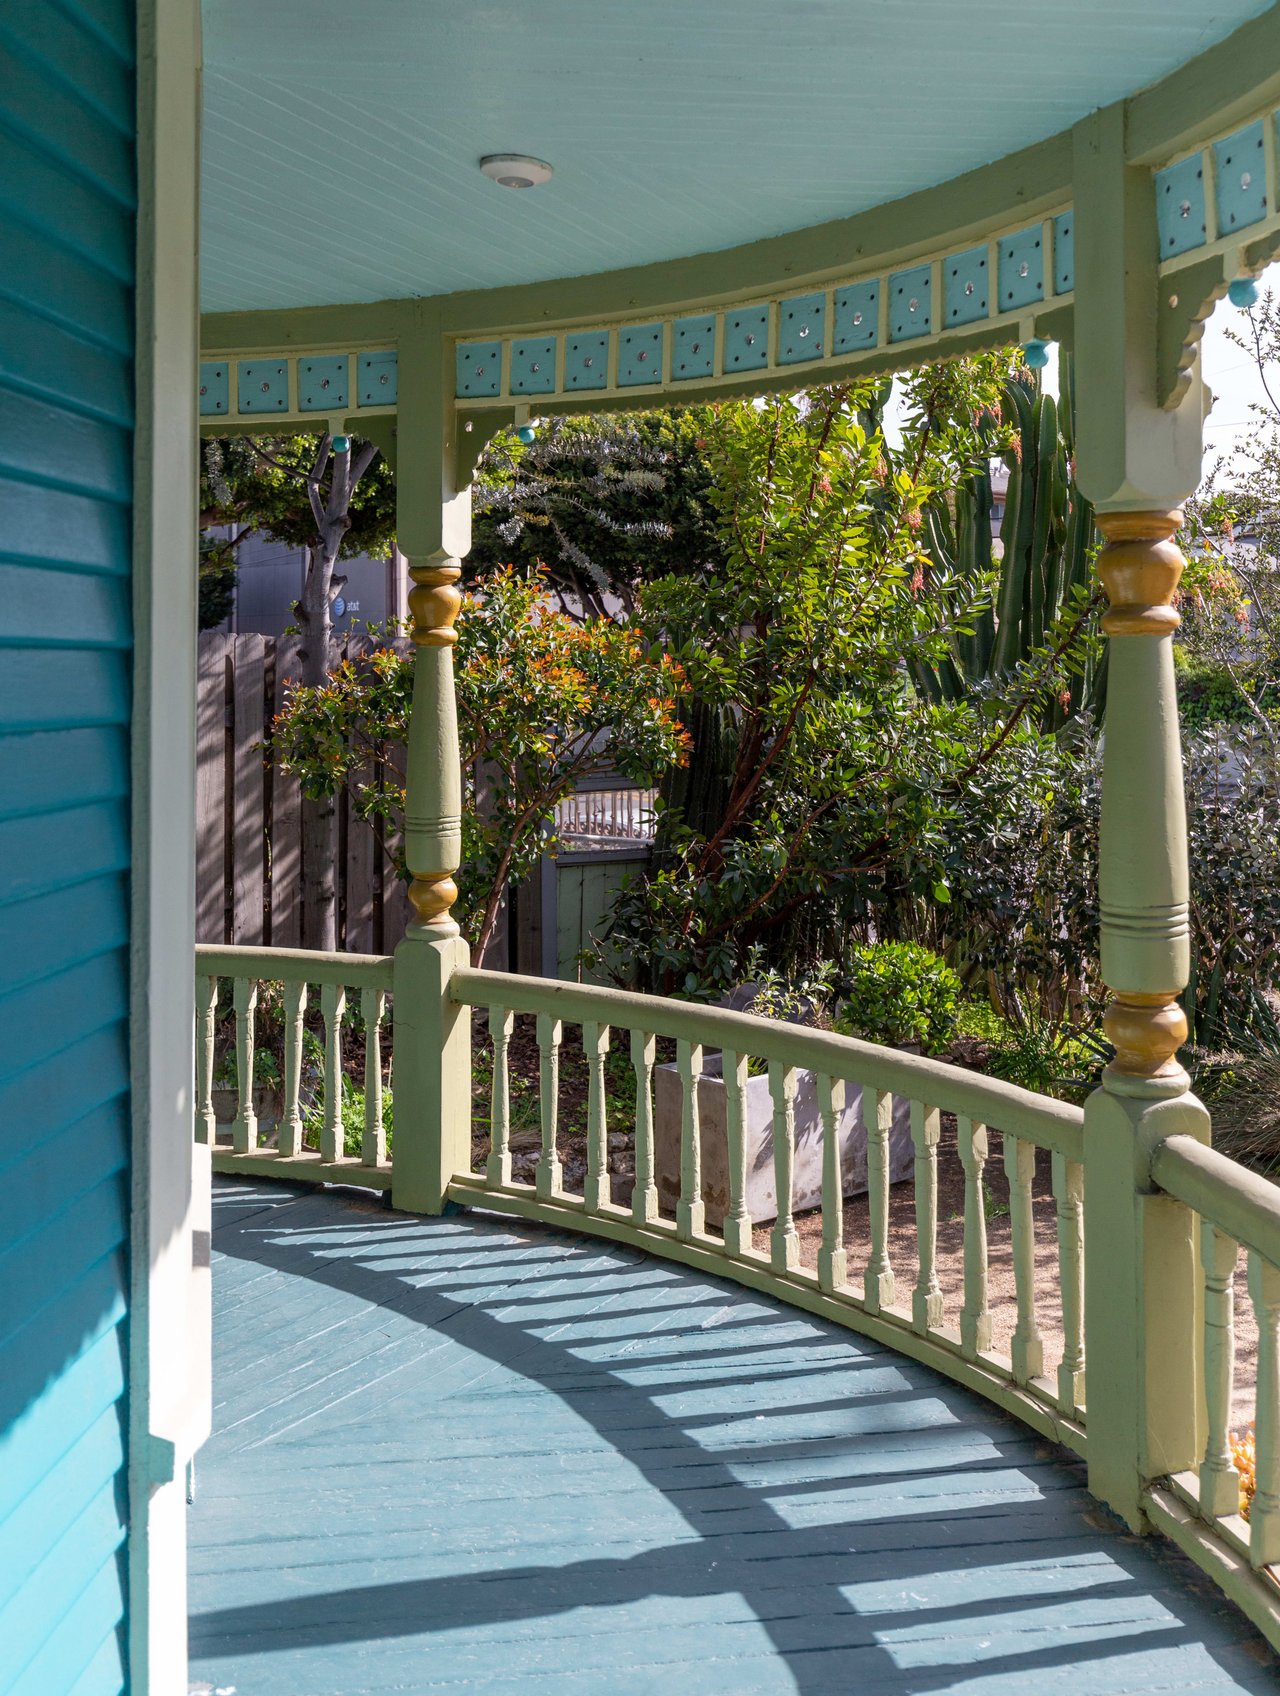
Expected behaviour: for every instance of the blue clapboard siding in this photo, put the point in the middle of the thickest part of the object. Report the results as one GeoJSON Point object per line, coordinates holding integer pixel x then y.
{"type": "Point", "coordinates": [469, 1457]}
{"type": "Point", "coordinates": [67, 148]}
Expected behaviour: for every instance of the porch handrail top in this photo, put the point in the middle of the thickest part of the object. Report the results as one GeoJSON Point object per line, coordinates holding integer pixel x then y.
{"type": "Point", "coordinates": [295, 965]}
{"type": "Point", "coordinates": [1233, 1199]}
{"type": "Point", "coordinates": [1056, 1125]}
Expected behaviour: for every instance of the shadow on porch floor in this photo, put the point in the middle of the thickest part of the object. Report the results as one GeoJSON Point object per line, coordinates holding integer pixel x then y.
{"type": "Point", "coordinates": [470, 1455]}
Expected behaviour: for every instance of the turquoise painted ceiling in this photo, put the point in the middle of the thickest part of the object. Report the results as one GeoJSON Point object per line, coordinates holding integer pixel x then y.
{"type": "Point", "coordinates": [341, 140]}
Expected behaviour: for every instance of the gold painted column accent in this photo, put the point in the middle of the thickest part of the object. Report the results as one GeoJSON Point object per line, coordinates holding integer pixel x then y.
{"type": "Point", "coordinates": [1143, 844]}
{"type": "Point", "coordinates": [433, 810]}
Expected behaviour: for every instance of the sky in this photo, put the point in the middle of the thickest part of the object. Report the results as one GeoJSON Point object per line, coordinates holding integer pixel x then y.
{"type": "Point", "coordinates": [1231, 374]}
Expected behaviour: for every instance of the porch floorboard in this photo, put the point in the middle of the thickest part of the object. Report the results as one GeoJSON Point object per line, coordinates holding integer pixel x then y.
{"type": "Point", "coordinates": [470, 1455]}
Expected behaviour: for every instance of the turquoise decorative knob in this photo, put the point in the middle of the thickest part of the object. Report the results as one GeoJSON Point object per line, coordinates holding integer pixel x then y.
{"type": "Point", "coordinates": [526, 433]}
{"type": "Point", "coordinates": [342, 444]}
{"type": "Point", "coordinates": [1035, 353]}
{"type": "Point", "coordinates": [1243, 292]}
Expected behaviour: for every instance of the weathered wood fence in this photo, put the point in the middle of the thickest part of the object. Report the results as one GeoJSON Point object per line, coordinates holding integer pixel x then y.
{"type": "Point", "coordinates": [249, 839]}
{"type": "Point", "coordinates": [248, 813]}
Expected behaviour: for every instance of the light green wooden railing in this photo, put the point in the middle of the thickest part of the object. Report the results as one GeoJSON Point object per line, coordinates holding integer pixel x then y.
{"type": "Point", "coordinates": [959, 1343]}
{"type": "Point", "coordinates": [1236, 1209]}
{"type": "Point", "coordinates": [297, 972]}
{"type": "Point", "coordinates": [1228, 1206]}
{"type": "Point", "coordinates": [917, 1325]}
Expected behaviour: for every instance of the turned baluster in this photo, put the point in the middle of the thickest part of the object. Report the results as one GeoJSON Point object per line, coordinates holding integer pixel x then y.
{"type": "Point", "coordinates": [833, 1269]}
{"type": "Point", "coordinates": [691, 1211]}
{"type": "Point", "coordinates": [975, 1315]}
{"type": "Point", "coordinates": [1264, 1514]}
{"type": "Point", "coordinates": [333, 1007]}
{"type": "Point", "coordinates": [1219, 1479]}
{"type": "Point", "coordinates": [206, 1023]}
{"type": "Point", "coordinates": [877, 1121]}
{"type": "Point", "coordinates": [737, 1221]}
{"type": "Point", "coordinates": [373, 1143]}
{"type": "Point", "coordinates": [244, 1132]}
{"type": "Point", "coordinates": [784, 1241]}
{"type": "Point", "coordinates": [644, 1198]}
{"type": "Point", "coordinates": [1027, 1348]}
{"type": "Point", "coordinates": [1068, 1191]}
{"type": "Point", "coordinates": [595, 1043]}
{"type": "Point", "coordinates": [926, 1298]}
{"type": "Point", "coordinates": [498, 1165]}
{"type": "Point", "coordinates": [550, 1173]}
{"type": "Point", "coordinates": [295, 1007]}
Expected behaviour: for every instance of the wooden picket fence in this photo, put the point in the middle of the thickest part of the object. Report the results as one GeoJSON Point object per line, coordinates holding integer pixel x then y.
{"type": "Point", "coordinates": [248, 813]}
{"type": "Point", "coordinates": [249, 838]}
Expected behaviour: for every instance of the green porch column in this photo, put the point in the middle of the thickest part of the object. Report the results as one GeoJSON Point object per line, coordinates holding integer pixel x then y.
{"type": "Point", "coordinates": [1137, 463]}
{"type": "Point", "coordinates": [432, 1059]}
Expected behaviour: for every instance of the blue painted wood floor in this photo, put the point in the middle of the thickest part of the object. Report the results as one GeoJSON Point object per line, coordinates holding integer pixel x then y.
{"type": "Point", "coordinates": [466, 1455]}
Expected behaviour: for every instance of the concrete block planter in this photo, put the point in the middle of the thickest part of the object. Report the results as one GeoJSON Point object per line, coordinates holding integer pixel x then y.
{"type": "Point", "coordinates": [762, 1197]}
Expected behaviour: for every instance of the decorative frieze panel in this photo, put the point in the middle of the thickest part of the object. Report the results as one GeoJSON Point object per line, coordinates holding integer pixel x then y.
{"type": "Point", "coordinates": [215, 388]}
{"type": "Point", "coordinates": [1021, 270]}
{"type": "Point", "coordinates": [694, 354]}
{"type": "Point", "coordinates": [1180, 207]}
{"type": "Point", "coordinates": [1003, 281]}
{"type": "Point", "coordinates": [911, 303]}
{"type": "Point", "coordinates": [295, 385]}
{"type": "Point", "coordinates": [801, 324]}
{"type": "Point", "coordinates": [640, 354]}
{"type": "Point", "coordinates": [1220, 197]}
{"type": "Point", "coordinates": [966, 285]}
{"type": "Point", "coordinates": [856, 318]}
{"type": "Point", "coordinates": [323, 383]}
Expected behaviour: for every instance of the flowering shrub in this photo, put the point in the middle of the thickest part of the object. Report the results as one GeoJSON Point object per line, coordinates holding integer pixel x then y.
{"type": "Point", "coordinates": [543, 702]}
{"type": "Point", "coordinates": [899, 992]}
{"type": "Point", "coordinates": [1245, 1458]}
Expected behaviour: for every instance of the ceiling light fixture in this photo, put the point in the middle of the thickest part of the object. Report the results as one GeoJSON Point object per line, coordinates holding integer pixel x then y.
{"type": "Point", "coordinates": [515, 170]}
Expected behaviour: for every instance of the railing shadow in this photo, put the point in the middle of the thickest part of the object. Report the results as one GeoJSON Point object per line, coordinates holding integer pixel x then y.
{"type": "Point", "coordinates": [831, 1580]}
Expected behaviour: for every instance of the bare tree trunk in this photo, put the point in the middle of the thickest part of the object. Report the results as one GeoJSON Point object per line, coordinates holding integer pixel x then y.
{"type": "Point", "coordinates": [314, 611]}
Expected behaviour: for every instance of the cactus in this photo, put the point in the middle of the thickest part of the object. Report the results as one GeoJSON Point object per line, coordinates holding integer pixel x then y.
{"type": "Point", "coordinates": [1045, 576]}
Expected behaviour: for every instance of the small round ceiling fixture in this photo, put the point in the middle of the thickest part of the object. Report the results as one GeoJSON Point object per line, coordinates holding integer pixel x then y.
{"type": "Point", "coordinates": [515, 170]}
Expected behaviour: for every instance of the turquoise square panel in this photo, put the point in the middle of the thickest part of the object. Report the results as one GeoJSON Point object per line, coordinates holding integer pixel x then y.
{"type": "Point", "coordinates": [533, 366]}
{"type": "Point", "coordinates": [966, 285]}
{"type": "Point", "coordinates": [322, 384]}
{"type": "Point", "coordinates": [801, 329]}
{"type": "Point", "coordinates": [1240, 179]}
{"type": "Point", "coordinates": [262, 385]}
{"type": "Point", "coordinates": [479, 369]}
{"type": "Point", "coordinates": [1180, 215]}
{"type": "Point", "coordinates": [586, 361]}
{"type": "Point", "coordinates": [693, 353]}
{"type": "Point", "coordinates": [746, 338]}
{"type": "Point", "coordinates": [910, 303]}
{"type": "Point", "coordinates": [640, 355]}
{"type": "Point", "coordinates": [1064, 253]}
{"type": "Point", "coordinates": [215, 389]}
{"type": "Point", "coordinates": [378, 374]}
{"type": "Point", "coordinates": [855, 317]}
{"type": "Point", "coordinates": [1021, 273]}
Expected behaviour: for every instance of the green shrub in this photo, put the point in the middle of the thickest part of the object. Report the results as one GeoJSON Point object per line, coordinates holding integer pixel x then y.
{"type": "Point", "coordinates": [313, 1117]}
{"type": "Point", "coordinates": [1049, 1059]}
{"type": "Point", "coordinates": [897, 992]}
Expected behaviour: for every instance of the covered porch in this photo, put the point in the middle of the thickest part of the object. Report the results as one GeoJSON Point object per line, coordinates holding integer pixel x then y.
{"type": "Point", "coordinates": [476, 1453]}
{"type": "Point", "coordinates": [1109, 221]}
